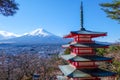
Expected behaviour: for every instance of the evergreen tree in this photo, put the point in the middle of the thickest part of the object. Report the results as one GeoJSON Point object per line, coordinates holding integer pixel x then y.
{"type": "Point", "coordinates": [8, 7]}
{"type": "Point", "coordinates": [112, 9]}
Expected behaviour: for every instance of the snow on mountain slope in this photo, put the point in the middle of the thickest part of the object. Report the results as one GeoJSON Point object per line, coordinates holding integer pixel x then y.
{"type": "Point", "coordinates": [7, 35]}
{"type": "Point", "coordinates": [39, 32]}
{"type": "Point", "coordinates": [37, 36]}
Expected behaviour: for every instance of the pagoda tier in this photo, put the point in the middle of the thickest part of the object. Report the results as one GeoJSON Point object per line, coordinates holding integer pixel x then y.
{"type": "Point", "coordinates": [82, 35]}
{"type": "Point", "coordinates": [85, 58]}
{"type": "Point", "coordinates": [72, 72]}
{"type": "Point", "coordinates": [86, 45]}
{"type": "Point", "coordinates": [85, 61]}
{"type": "Point", "coordinates": [85, 34]}
{"type": "Point", "coordinates": [84, 48]}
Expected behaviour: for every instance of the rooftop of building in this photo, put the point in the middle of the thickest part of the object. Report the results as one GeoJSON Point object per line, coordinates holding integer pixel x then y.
{"type": "Point", "coordinates": [85, 58]}
{"type": "Point", "coordinates": [72, 72]}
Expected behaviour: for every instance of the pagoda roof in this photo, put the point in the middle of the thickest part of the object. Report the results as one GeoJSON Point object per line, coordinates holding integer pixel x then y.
{"type": "Point", "coordinates": [85, 58]}
{"type": "Point", "coordinates": [61, 78]}
{"type": "Point", "coordinates": [72, 72]}
{"type": "Point", "coordinates": [92, 45]}
{"type": "Point", "coordinates": [85, 32]}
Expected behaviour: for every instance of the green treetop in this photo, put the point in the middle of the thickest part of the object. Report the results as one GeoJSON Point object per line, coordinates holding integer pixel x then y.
{"type": "Point", "coordinates": [112, 9]}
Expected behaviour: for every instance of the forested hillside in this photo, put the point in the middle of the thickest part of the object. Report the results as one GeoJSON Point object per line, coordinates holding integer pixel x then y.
{"type": "Point", "coordinates": [114, 52]}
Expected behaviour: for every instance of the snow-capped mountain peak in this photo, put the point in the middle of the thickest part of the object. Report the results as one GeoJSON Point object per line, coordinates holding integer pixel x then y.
{"type": "Point", "coordinates": [39, 32]}
{"type": "Point", "coordinates": [8, 34]}
{"type": "Point", "coordinates": [37, 36]}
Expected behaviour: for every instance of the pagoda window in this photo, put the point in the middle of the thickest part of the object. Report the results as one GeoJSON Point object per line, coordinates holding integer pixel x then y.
{"type": "Point", "coordinates": [85, 36]}
{"type": "Point", "coordinates": [76, 64]}
{"type": "Point", "coordinates": [73, 63]}
{"type": "Point", "coordinates": [75, 50]}
{"type": "Point", "coordinates": [82, 64]}
{"type": "Point", "coordinates": [75, 38]}
{"type": "Point", "coordinates": [82, 38]}
{"type": "Point", "coordinates": [85, 51]}
{"type": "Point", "coordinates": [82, 50]}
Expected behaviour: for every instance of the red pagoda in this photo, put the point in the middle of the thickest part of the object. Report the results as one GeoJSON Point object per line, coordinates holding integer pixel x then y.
{"type": "Point", "coordinates": [83, 61]}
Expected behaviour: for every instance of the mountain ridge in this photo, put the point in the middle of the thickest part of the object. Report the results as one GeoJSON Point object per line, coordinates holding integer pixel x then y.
{"type": "Point", "coordinates": [35, 37]}
{"type": "Point", "coordinates": [40, 32]}
{"type": "Point", "coordinates": [7, 35]}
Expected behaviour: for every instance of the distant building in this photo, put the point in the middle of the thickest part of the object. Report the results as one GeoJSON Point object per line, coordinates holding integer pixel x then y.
{"type": "Point", "coordinates": [36, 76]}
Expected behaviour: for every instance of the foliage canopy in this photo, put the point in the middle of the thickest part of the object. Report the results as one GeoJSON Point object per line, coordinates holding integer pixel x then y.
{"type": "Point", "coordinates": [8, 7]}
{"type": "Point", "coordinates": [112, 9]}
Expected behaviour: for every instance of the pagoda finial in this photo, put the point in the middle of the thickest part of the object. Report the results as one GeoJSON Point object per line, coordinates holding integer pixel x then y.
{"type": "Point", "coordinates": [81, 12]}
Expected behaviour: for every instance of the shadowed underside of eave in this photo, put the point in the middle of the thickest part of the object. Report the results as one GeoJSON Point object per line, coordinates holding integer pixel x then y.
{"type": "Point", "coordinates": [72, 72]}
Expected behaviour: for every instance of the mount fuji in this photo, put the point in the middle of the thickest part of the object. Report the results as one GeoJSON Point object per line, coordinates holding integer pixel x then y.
{"type": "Point", "coordinates": [39, 32]}
{"type": "Point", "coordinates": [34, 37]}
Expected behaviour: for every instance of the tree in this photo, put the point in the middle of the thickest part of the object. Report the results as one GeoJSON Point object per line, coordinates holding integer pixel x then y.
{"type": "Point", "coordinates": [8, 7]}
{"type": "Point", "coordinates": [112, 9]}
{"type": "Point", "coordinates": [101, 51]}
{"type": "Point", "coordinates": [67, 51]}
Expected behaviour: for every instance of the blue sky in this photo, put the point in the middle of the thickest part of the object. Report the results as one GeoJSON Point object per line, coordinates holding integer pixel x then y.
{"type": "Point", "coordinates": [60, 17]}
